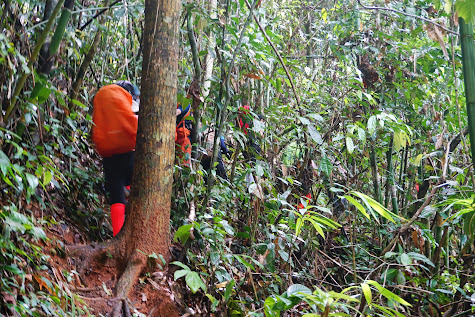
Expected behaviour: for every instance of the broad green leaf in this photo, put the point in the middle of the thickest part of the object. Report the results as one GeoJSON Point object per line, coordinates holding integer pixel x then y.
{"type": "Point", "coordinates": [325, 165]}
{"type": "Point", "coordinates": [361, 135]}
{"type": "Point", "coordinates": [380, 209]}
{"type": "Point", "coordinates": [183, 233]}
{"type": "Point", "coordinates": [4, 162]}
{"type": "Point", "coordinates": [194, 281]}
{"type": "Point", "coordinates": [269, 305]}
{"type": "Point", "coordinates": [316, 116]}
{"type": "Point", "coordinates": [43, 95]}
{"type": "Point", "coordinates": [466, 9]}
{"type": "Point", "coordinates": [324, 221]}
{"type": "Point", "coordinates": [284, 255]}
{"type": "Point", "coordinates": [400, 278]}
{"type": "Point", "coordinates": [418, 159]}
{"type": "Point", "coordinates": [350, 146]}
{"type": "Point", "coordinates": [398, 141]}
{"type": "Point", "coordinates": [389, 254]}
{"type": "Point", "coordinates": [32, 180]}
{"type": "Point", "coordinates": [372, 124]}
{"type": "Point", "coordinates": [294, 289]}
{"type": "Point", "coordinates": [180, 273]}
{"type": "Point", "coordinates": [314, 134]}
{"type": "Point", "coordinates": [458, 214]}
{"type": "Point", "coordinates": [469, 224]}
{"type": "Point", "coordinates": [324, 209]}
{"type": "Point", "coordinates": [212, 299]}
{"type": "Point", "coordinates": [38, 233]}
{"type": "Point", "coordinates": [304, 120]}
{"type": "Point", "coordinates": [12, 268]}
{"type": "Point", "coordinates": [183, 266]}
{"type": "Point", "coordinates": [259, 169]}
{"type": "Point", "coordinates": [229, 230]}
{"type": "Point", "coordinates": [78, 103]}
{"type": "Point", "coordinates": [48, 176]}
{"type": "Point", "coordinates": [405, 259]}
{"type": "Point", "coordinates": [420, 257]}
{"type": "Point", "coordinates": [324, 15]}
{"type": "Point", "coordinates": [367, 293]}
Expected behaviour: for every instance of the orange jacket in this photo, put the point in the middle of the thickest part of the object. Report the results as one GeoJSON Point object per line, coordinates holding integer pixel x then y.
{"type": "Point", "coordinates": [182, 143]}
{"type": "Point", "coordinates": [115, 125]}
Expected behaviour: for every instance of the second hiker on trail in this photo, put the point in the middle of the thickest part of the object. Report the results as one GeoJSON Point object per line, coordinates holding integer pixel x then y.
{"type": "Point", "coordinates": [182, 135]}
{"type": "Point", "coordinates": [113, 134]}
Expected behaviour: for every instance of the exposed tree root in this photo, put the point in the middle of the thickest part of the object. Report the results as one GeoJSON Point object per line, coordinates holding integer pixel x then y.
{"type": "Point", "coordinates": [131, 273]}
{"type": "Point", "coordinates": [94, 255]}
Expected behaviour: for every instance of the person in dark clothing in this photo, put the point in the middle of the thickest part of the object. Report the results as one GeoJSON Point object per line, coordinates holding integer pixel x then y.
{"type": "Point", "coordinates": [245, 123]}
{"type": "Point", "coordinates": [220, 169]}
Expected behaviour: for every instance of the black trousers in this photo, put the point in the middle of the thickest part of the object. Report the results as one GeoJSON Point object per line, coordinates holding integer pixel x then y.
{"type": "Point", "coordinates": [220, 169]}
{"type": "Point", "coordinates": [118, 174]}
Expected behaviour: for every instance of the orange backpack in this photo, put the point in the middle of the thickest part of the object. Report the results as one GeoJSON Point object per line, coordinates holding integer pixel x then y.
{"type": "Point", "coordinates": [115, 125]}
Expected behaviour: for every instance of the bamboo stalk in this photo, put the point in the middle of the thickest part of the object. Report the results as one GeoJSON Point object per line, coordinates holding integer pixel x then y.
{"type": "Point", "coordinates": [389, 158]}
{"type": "Point", "coordinates": [468, 61]}
{"type": "Point", "coordinates": [83, 68]}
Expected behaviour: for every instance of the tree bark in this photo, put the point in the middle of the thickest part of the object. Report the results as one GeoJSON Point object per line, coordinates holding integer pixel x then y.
{"type": "Point", "coordinates": [468, 54]}
{"type": "Point", "coordinates": [146, 228]}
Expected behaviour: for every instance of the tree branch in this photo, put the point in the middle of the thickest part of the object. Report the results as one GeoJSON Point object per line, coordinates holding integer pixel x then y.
{"type": "Point", "coordinates": [98, 14]}
{"type": "Point", "coordinates": [409, 15]}
{"type": "Point", "coordinates": [278, 55]}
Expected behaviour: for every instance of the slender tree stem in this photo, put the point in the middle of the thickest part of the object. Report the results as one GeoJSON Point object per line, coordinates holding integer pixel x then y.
{"type": "Point", "coordinates": [34, 55]}
{"type": "Point", "coordinates": [278, 56]}
{"type": "Point", "coordinates": [98, 14]}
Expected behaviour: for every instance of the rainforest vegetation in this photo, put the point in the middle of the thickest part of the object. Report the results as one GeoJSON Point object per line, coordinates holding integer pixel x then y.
{"type": "Point", "coordinates": [348, 185]}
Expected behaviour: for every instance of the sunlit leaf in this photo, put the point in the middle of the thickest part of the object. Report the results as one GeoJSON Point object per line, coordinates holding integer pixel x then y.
{"type": "Point", "coordinates": [388, 294]}
{"type": "Point", "coordinates": [353, 201]}
{"type": "Point", "coordinates": [367, 293]}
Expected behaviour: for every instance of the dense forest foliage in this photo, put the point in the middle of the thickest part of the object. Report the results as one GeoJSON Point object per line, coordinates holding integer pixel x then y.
{"type": "Point", "coordinates": [348, 185]}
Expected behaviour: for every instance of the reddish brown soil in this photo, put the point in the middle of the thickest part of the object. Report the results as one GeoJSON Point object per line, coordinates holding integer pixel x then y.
{"type": "Point", "coordinates": [95, 284]}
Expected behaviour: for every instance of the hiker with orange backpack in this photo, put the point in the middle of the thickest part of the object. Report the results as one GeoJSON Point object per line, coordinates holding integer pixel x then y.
{"type": "Point", "coordinates": [182, 135]}
{"type": "Point", "coordinates": [114, 133]}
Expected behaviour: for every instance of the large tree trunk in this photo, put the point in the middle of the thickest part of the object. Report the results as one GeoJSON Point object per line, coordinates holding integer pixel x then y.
{"type": "Point", "coordinates": [147, 225]}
